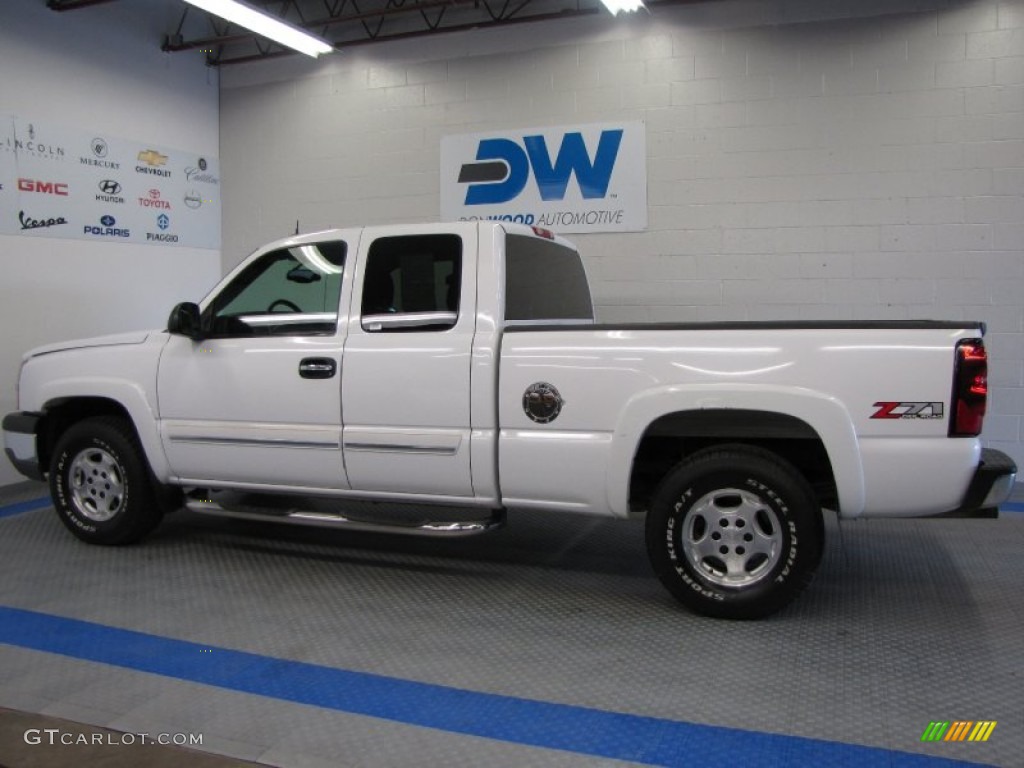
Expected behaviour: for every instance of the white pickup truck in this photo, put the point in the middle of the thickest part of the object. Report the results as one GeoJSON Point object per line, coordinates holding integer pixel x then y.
{"type": "Point", "coordinates": [455, 371]}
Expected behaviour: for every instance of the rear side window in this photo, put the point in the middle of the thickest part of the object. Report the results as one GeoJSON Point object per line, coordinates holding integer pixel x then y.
{"type": "Point", "coordinates": [544, 281]}
{"type": "Point", "coordinates": [412, 283]}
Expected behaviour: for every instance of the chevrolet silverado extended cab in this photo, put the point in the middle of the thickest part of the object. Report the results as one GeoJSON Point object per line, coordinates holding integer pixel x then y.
{"type": "Point", "coordinates": [455, 371]}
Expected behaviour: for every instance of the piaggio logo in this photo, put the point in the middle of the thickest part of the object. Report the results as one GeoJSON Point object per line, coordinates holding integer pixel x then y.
{"type": "Point", "coordinates": [163, 221]}
{"type": "Point", "coordinates": [503, 168]}
{"type": "Point", "coordinates": [907, 410]}
{"type": "Point", "coordinates": [959, 730]}
{"type": "Point", "coordinates": [45, 187]}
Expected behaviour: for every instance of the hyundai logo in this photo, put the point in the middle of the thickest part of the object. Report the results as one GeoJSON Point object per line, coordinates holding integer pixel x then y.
{"type": "Point", "coordinates": [109, 187]}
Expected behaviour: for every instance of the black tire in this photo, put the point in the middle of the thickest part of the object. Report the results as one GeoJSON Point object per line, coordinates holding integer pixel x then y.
{"type": "Point", "coordinates": [735, 532]}
{"type": "Point", "coordinates": [101, 484]}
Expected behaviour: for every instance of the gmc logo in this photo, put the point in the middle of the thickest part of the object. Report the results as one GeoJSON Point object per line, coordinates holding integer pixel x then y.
{"type": "Point", "coordinates": [503, 168]}
{"type": "Point", "coordinates": [46, 187]}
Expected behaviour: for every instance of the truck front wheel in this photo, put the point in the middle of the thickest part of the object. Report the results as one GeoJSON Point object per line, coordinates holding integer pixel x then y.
{"type": "Point", "coordinates": [100, 483]}
{"type": "Point", "coordinates": [734, 532]}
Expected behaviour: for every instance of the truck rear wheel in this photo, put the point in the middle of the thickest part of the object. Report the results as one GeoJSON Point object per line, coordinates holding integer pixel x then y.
{"type": "Point", "coordinates": [100, 483]}
{"type": "Point", "coordinates": [734, 532]}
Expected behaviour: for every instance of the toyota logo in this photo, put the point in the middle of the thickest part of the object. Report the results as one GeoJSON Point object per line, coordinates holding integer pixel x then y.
{"type": "Point", "coordinates": [109, 187]}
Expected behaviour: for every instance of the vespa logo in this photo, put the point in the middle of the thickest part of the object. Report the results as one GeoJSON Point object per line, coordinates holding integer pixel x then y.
{"type": "Point", "coordinates": [503, 168]}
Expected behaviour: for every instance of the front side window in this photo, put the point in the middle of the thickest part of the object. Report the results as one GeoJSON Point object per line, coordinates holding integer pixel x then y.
{"type": "Point", "coordinates": [287, 292]}
{"type": "Point", "coordinates": [412, 283]}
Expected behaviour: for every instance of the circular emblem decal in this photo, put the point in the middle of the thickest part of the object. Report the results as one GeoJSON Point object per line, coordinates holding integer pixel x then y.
{"type": "Point", "coordinates": [542, 403]}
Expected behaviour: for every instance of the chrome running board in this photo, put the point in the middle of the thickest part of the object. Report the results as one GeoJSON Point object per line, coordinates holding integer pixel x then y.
{"type": "Point", "coordinates": [279, 509]}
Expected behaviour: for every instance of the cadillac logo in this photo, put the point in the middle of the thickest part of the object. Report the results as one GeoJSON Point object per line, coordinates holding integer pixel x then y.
{"type": "Point", "coordinates": [542, 403]}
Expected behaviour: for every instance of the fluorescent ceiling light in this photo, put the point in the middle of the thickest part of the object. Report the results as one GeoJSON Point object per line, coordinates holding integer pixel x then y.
{"type": "Point", "coordinates": [625, 6]}
{"type": "Point", "coordinates": [264, 25]}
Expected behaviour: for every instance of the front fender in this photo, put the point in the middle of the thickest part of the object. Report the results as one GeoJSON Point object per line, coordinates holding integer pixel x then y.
{"type": "Point", "coordinates": [128, 379]}
{"type": "Point", "coordinates": [826, 415]}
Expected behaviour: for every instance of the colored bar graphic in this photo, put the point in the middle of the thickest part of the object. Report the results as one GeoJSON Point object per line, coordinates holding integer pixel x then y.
{"type": "Point", "coordinates": [982, 730]}
{"type": "Point", "coordinates": [958, 730]}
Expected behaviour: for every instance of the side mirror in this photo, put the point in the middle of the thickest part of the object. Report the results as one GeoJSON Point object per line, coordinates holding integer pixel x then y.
{"type": "Point", "coordinates": [184, 321]}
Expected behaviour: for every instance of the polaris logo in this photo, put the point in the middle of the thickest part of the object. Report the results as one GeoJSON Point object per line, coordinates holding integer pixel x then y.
{"type": "Point", "coordinates": [580, 178]}
{"type": "Point", "coordinates": [503, 168]}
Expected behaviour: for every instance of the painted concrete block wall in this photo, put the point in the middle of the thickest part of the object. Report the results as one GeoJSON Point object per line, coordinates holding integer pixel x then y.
{"type": "Point", "coordinates": [807, 159]}
{"type": "Point", "coordinates": [99, 68]}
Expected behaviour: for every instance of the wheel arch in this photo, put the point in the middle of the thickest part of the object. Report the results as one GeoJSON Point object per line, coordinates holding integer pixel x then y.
{"type": "Point", "coordinates": [810, 430]}
{"type": "Point", "coordinates": [62, 412]}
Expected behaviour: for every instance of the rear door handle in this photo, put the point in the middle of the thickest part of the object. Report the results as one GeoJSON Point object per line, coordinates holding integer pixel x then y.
{"type": "Point", "coordinates": [317, 368]}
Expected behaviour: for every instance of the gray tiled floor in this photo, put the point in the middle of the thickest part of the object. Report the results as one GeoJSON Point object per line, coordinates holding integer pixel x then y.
{"type": "Point", "coordinates": [907, 622]}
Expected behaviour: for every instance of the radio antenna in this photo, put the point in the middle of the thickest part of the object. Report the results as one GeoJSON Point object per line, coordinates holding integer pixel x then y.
{"type": "Point", "coordinates": [296, 226]}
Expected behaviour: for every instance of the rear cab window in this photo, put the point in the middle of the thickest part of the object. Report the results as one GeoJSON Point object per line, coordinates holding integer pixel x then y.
{"type": "Point", "coordinates": [545, 282]}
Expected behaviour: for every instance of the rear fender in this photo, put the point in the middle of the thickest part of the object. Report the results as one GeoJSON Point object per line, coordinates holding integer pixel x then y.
{"type": "Point", "coordinates": [826, 415]}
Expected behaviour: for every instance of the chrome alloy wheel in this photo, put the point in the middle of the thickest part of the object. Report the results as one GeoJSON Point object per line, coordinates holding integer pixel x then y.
{"type": "Point", "coordinates": [96, 484]}
{"type": "Point", "coordinates": [732, 538]}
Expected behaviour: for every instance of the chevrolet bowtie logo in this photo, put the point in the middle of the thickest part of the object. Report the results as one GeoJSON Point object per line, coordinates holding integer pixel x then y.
{"type": "Point", "coordinates": [152, 157]}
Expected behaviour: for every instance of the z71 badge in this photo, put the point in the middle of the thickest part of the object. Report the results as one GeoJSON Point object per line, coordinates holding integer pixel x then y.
{"type": "Point", "coordinates": [897, 410]}
{"type": "Point", "coordinates": [542, 403]}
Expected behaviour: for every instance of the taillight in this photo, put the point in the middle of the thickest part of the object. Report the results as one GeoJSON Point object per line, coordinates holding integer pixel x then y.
{"type": "Point", "coordinates": [970, 388]}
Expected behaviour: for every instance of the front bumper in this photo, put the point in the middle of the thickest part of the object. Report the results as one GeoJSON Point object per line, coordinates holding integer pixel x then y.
{"type": "Point", "coordinates": [991, 485]}
{"type": "Point", "coordinates": [20, 432]}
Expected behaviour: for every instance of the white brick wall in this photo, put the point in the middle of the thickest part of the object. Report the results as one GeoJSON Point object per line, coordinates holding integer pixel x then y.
{"type": "Point", "coordinates": [807, 159]}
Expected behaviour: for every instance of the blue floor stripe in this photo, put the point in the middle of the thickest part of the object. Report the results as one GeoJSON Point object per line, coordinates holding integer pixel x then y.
{"type": "Point", "coordinates": [25, 506]}
{"type": "Point", "coordinates": [1012, 506]}
{"type": "Point", "coordinates": [648, 740]}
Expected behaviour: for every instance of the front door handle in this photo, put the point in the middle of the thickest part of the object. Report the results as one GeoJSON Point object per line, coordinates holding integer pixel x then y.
{"type": "Point", "coordinates": [317, 368]}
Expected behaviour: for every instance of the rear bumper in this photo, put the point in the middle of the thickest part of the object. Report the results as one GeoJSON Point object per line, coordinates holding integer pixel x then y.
{"type": "Point", "coordinates": [991, 485]}
{"type": "Point", "coordinates": [20, 431]}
